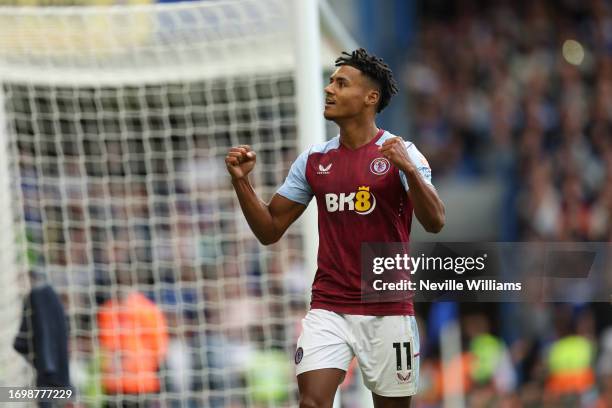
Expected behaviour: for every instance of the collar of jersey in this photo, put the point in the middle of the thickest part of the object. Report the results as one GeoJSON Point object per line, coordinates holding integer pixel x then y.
{"type": "Point", "coordinates": [373, 141]}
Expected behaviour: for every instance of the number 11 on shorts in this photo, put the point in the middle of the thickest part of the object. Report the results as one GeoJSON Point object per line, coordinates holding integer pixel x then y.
{"type": "Point", "coordinates": [398, 355]}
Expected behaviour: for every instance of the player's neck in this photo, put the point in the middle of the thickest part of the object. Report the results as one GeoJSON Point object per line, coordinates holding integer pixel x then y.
{"type": "Point", "coordinates": [354, 134]}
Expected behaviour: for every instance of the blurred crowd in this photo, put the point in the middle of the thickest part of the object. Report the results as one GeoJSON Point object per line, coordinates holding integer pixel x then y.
{"type": "Point", "coordinates": [494, 92]}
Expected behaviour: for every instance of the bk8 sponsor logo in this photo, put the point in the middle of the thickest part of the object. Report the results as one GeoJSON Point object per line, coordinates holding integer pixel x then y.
{"type": "Point", "coordinates": [361, 201]}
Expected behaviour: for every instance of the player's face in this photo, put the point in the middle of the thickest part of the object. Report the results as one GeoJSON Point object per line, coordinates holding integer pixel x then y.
{"type": "Point", "coordinates": [347, 94]}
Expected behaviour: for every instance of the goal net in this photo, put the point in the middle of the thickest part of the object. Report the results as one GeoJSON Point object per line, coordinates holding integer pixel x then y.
{"type": "Point", "coordinates": [114, 123]}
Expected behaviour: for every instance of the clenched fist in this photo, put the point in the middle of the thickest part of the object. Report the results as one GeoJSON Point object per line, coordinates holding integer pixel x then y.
{"type": "Point", "coordinates": [394, 149]}
{"type": "Point", "coordinates": [240, 160]}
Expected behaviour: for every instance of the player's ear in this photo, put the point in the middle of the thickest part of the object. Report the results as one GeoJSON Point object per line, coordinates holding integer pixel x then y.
{"type": "Point", "coordinates": [372, 97]}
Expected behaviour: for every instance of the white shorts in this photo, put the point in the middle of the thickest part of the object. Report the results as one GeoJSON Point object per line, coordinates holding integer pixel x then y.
{"type": "Point", "coordinates": [387, 349]}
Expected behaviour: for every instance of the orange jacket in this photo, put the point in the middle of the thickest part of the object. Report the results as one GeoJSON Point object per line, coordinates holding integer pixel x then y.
{"type": "Point", "coordinates": [134, 340]}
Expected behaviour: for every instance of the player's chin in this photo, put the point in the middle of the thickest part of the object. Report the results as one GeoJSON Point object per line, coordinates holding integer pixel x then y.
{"type": "Point", "coordinates": [329, 114]}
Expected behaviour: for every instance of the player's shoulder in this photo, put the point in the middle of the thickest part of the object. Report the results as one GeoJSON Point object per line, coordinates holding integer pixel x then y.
{"type": "Point", "coordinates": [388, 135]}
{"type": "Point", "coordinates": [324, 147]}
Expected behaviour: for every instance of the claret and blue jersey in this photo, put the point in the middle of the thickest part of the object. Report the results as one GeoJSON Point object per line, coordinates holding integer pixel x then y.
{"type": "Point", "coordinates": [361, 197]}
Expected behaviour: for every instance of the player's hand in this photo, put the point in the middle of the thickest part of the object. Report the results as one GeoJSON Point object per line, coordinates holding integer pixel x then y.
{"type": "Point", "coordinates": [240, 160]}
{"type": "Point", "coordinates": [395, 151]}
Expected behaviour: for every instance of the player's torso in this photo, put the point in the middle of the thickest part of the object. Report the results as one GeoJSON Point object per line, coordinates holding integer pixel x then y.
{"type": "Point", "coordinates": [358, 186]}
{"type": "Point", "coordinates": [360, 198]}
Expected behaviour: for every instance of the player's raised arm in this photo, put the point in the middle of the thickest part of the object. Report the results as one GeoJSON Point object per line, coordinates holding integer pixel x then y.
{"type": "Point", "coordinates": [267, 221]}
{"type": "Point", "coordinates": [428, 207]}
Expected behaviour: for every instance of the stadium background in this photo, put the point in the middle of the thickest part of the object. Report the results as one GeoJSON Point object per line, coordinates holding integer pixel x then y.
{"type": "Point", "coordinates": [515, 123]}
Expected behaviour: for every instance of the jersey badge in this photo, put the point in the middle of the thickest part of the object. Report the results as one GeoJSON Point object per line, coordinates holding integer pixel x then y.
{"type": "Point", "coordinates": [299, 353]}
{"type": "Point", "coordinates": [380, 166]}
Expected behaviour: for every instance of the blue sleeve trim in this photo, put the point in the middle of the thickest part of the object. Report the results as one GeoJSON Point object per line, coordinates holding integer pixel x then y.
{"type": "Point", "coordinates": [422, 166]}
{"type": "Point", "coordinates": [296, 187]}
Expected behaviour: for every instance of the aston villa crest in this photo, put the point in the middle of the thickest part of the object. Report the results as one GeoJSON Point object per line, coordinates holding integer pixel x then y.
{"type": "Point", "coordinates": [380, 166]}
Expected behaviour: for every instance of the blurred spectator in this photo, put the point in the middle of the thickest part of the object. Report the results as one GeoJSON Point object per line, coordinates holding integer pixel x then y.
{"type": "Point", "coordinates": [134, 340]}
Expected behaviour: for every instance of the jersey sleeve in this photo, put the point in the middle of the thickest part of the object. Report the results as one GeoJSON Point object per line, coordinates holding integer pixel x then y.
{"type": "Point", "coordinates": [420, 162]}
{"type": "Point", "coordinates": [296, 187]}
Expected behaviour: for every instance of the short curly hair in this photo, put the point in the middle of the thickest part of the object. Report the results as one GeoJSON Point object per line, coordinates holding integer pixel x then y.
{"type": "Point", "coordinates": [375, 69]}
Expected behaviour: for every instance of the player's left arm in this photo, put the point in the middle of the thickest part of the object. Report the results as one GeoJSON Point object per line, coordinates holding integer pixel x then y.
{"type": "Point", "coordinates": [428, 207]}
